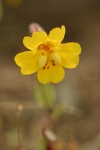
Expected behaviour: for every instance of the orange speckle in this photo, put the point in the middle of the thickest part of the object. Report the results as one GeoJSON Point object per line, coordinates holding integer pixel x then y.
{"type": "Point", "coordinates": [53, 64]}
{"type": "Point", "coordinates": [42, 53]}
{"type": "Point", "coordinates": [46, 47]}
{"type": "Point", "coordinates": [44, 67]}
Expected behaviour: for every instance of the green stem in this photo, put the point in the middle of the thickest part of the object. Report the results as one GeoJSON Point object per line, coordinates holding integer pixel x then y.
{"type": "Point", "coordinates": [19, 129]}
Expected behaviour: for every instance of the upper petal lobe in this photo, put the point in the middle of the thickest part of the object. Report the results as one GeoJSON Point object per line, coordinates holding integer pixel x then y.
{"type": "Point", "coordinates": [39, 37]}
{"type": "Point", "coordinates": [57, 34]}
{"type": "Point", "coordinates": [71, 48]}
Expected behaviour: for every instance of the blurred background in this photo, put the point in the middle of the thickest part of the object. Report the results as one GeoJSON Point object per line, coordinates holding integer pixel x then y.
{"type": "Point", "coordinates": [79, 124]}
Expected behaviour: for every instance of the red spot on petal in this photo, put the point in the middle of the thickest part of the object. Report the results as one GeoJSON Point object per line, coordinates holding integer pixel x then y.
{"type": "Point", "coordinates": [44, 67]}
{"type": "Point", "coordinates": [53, 64]}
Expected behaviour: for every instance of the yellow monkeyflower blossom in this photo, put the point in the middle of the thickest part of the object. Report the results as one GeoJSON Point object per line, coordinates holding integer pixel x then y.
{"type": "Point", "coordinates": [48, 56]}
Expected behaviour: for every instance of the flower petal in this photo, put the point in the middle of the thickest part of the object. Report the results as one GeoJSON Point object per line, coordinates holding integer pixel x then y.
{"type": "Point", "coordinates": [71, 48]}
{"type": "Point", "coordinates": [57, 34]}
{"type": "Point", "coordinates": [54, 74]}
{"type": "Point", "coordinates": [24, 58]}
{"type": "Point", "coordinates": [27, 61]}
{"type": "Point", "coordinates": [28, 69]}
{"type": "Point", "coordinates": [29, 43]}
{"type": "Point", "coordinates": [39, 37]}
{"type": "Point", "coordinates": [43, 75]}
{"type": "Point", "coordinates": [57, 73]}
{"type": "Point", "coordinates": [69, 61]}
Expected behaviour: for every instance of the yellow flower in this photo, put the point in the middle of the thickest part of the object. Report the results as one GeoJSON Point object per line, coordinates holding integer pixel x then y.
{"type": "Point", "coordinates": [47, 56]}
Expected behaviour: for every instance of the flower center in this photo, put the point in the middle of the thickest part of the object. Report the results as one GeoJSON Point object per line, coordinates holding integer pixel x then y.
{"type": "Point", "coordinates": [47, 56]}
{"type": "Point", "coordinates": [47, 47]}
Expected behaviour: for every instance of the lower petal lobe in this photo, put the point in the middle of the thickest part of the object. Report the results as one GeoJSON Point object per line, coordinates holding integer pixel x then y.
{"type": "Point", "coordinates": [52, 74]}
